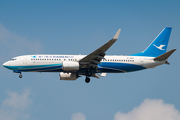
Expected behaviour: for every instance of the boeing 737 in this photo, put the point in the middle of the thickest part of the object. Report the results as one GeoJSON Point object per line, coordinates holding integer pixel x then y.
{"type": "Point", "coordinates": [97, 63]}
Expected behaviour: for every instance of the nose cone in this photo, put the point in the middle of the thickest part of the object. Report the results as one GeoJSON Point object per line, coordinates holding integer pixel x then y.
{"type": "Point", "coordinates": [6, 64]}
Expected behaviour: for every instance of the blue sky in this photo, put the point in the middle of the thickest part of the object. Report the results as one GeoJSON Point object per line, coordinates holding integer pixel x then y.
{"type": "Point", "coordinates": [80, 27]}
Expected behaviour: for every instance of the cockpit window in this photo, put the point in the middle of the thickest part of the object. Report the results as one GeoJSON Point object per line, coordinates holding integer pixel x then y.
{"type": "Point", "coordinates": [13, 59]}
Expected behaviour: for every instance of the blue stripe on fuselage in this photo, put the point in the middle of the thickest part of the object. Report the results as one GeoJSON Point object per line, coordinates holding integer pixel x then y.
{"type": "Point", "coordinates": [36, 67]}
{"type": "Point", "coordinates": [119, 67]}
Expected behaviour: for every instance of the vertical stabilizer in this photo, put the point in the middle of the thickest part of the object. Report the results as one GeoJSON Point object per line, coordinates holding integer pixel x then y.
{"type": "Point", "coordinates": [158, 46]}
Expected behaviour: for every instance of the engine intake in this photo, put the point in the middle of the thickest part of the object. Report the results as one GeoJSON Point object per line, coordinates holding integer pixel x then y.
{"type": "Point", "coordinates": [68, 65]}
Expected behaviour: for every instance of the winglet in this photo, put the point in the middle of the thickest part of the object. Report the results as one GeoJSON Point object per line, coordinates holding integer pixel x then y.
{"type": "Point", "coordinates": [117, 34]}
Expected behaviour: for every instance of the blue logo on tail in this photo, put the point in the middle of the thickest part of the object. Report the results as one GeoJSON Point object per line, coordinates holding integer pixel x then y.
{"type": "Point", "coordinates": [160, 47]}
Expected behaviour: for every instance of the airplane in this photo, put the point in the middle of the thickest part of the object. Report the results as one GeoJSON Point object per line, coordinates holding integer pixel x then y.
{"type": "Point", "coordinates": [96, 64]}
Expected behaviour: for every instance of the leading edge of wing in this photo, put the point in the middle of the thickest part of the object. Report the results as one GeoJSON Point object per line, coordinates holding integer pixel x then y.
{"type": "Point", "coordinates": [99, 53]}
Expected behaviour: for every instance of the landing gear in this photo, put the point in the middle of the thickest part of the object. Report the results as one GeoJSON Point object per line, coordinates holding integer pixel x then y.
{"type": "Point", "coordinates": [20, 76]}
{"type": "Point", "coordinates": [88, 74]}
{"type": "Point", "coordinates": [87, 80]}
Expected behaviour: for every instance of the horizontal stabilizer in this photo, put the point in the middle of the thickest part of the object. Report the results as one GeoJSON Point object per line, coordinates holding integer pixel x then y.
{"type": "Point", "coordinates": [165, 55]}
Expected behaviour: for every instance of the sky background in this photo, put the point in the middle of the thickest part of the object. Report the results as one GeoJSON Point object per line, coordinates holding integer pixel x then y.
{"type": "Point", "coordinates": [80, 27]}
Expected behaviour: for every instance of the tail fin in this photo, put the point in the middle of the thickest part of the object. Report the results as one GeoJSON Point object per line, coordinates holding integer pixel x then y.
{"type": "Point", "coordinates": [158, 46]}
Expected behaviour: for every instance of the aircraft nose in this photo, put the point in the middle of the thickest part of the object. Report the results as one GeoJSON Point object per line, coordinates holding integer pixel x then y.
{"type": "Point", "coordinates": [5, 64]}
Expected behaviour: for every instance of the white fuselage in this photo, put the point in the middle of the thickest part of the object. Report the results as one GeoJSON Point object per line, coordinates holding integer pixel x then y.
{"type": "Point", "coordinates": [53, 63]}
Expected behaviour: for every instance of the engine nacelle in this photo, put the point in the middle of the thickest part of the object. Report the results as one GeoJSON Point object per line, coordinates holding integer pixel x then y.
{"type": "Point", "coordinates": [68, 65]}
{"type": "Point", "coordinates": [67, 76]}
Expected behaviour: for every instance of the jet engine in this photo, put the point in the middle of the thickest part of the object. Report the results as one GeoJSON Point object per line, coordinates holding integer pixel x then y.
{"type": "Point", "coordinates": [67, 76]}
{"type": "Point", "coordinates": [68, 65]}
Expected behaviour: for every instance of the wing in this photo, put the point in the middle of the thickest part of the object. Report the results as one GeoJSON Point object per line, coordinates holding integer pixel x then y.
{"type": "Point", "coordinates": [95, 57]}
